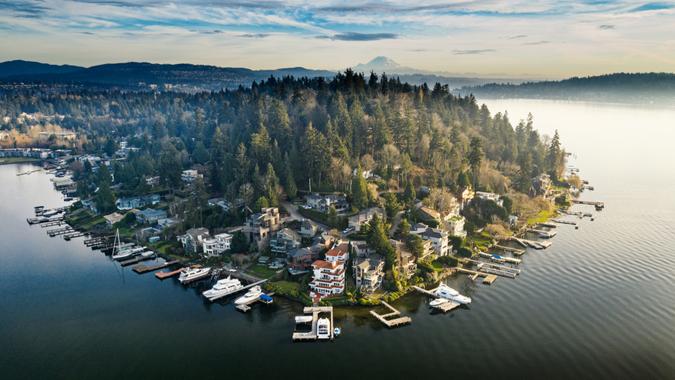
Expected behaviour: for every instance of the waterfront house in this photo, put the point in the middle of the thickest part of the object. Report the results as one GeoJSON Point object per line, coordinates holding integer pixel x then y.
{"type": "Point", "coordinates": [368, 273]}
{"type": "Point", "coordinates": [112, 219]}
{"type": "Point", "coordinates": [284, 241]}
{"type": "Point", "coordinates": [307, 228]}
{"type": "Point", "coordinates": [329, 274]}
{"type": "Point", "coordinates": [439, 239]}
{"type": "Point", "coordinates": [541, 186]}
{"type": "Point", "coordinates": [148, 232]}
{"type": "Point", "coordinates": [190, 175]}
{"type": "Point", "coordinates": [363, 217]}
{"type": "Point", "coordinates": [302, 258]}
{"type": "Point", "coordinates": [490, 197]}
{"type": "Point", "coordinates": [127, 203]}
{"type": "Point", "coordinates": [217, 245]}
{"type": "Point", "coordinates": [405, 260]}
{"type": "Point", "coordinates": [150, 216]}
{"type": "Point", "coordinates": [259, 226]}
{"type": "Point", "coordinates": [193, 239]}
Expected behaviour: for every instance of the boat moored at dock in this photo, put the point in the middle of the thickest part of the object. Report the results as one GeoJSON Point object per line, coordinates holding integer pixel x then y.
{"type": "Point", "coordinates": [444, 291]}
{"type": "Point", "coordinates": [223, 288]}
{"type": "Point", "coordinates": [193, 274]}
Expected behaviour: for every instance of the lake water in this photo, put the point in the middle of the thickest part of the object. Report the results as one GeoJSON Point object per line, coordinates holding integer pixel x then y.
{"type": "Point", "coordinates": [599, 303]}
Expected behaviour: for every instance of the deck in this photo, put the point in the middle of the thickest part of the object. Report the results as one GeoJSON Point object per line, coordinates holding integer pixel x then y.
{"type": "Point", "coordinates": [391, 323]}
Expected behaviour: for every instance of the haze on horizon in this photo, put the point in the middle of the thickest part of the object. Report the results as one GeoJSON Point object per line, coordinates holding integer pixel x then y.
{"type": "Point", "coordinates": [546, 39]}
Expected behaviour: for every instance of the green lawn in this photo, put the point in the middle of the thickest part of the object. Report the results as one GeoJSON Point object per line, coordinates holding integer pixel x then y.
{"type": "Point", "coordinates": [542, 217]}
{"type": "Point", "coordinates": [261, 271]}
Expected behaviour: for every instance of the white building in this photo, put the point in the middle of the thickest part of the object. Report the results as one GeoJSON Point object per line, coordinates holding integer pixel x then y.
{"type": "Point", "coordinates": [217, 245]}
{"type": "Point", "coordinates": [455, 226]}
{"type": "Point", "coordinates": [365, 216]}
{"type": "Point", "coordinates": [189, 176]}
{"type": "Point", "coordinates": [490, 197]}
{"type": "Point", "coordinates": [329, 274]}
{"type": "Point", "coordinates": [439, 239]}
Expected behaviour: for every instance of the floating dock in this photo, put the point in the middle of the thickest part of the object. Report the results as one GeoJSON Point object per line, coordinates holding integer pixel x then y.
{"type": "Point", "coordinates": [500, 259]}
{"type": "Point", "coordinates": [142, 268]}
{"type": "Point", "coordinates": [265, 298]}
{"type": "Point", "coordinates": [391, 323]}
{"type": "Point", "coordinates": [532, 243]}
{"type": "Point", "coordinates": [562, 221]}
{"type": "Point", "coordinates": [598, 205]}
{"type": "Point", "coordinates": [299, 336]}
{"type": "Point", "coordinates": [543, 233]}
{"type": "Point", "coordinates": [488, 278]}
{"type": "Point", "coordinates": [515, 251]}
{"type": "Point", "coordinates": [137, 259]}
{"type": "Point", "coordinates": [163, 275]}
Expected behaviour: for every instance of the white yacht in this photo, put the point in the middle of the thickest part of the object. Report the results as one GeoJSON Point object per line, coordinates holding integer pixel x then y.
{"type": "Point", "coordinates": [223, 288]}
{"type": "Point", "coordinates": [193, 274]}
{"type": "Point", "coordinates": [127, 253]}
{"type": "Point", "coordinates": [444, 291]}
{"type": "Point", "coordinates": [323, 328]}
{"type": "Point", "coordinates": [252, 294]}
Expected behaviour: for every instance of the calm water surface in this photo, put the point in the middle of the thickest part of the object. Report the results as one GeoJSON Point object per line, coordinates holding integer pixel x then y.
{"type": "Point", "coordinates": [599, 303]}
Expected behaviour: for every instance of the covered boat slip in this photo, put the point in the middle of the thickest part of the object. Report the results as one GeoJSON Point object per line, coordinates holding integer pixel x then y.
{"type": "Point", "coordinates": [313, 334]}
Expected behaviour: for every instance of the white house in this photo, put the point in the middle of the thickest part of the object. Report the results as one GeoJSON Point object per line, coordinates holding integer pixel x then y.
{"type": "Point", "coordinates": [190, 175]}
{"type": "Point", "coordinates": [217, 245]}
{"type": "Point", "coordinates": [329, 274]}
{"type": "Point", "coordinates": [438, 238]}
{"type": "Point", "coordinates": [490, 197]}
{"type": "Point", "coordinates": [455, 226]}
{"type": "Point", "coordinates": [363, 217]}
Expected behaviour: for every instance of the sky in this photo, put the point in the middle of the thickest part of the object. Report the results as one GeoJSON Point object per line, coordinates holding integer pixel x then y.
{"type": "Point", "coordinates": [508, 38]}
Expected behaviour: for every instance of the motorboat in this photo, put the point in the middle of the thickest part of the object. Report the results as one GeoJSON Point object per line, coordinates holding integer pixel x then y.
{"type": "Point", "coordinates": [323, 328]}
{"type": "Point", "coordinates": [193, 274]}
{"type": "Point", "coordinates": [438, 302]}
{"type": "Point", "coordinates": [301, 319]}
{"type": "Point", "coordinates": [147, 254]}
{"type": "Point", "coordinates": [444, 291]}
{"type": "Point", "coordinates": [254, 293]}
{"type": "Point", "coordinates": [223, 288]}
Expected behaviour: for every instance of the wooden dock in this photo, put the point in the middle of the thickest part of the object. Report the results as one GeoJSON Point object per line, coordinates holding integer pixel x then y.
{"type": "Point", "coordinates": [394, 322]}
{"type": "Point", "coordinates": [142, 268]}
{"type": "Point", "coordinates": [543, 233]}
{"type": "Point", "coordinates": [247, 306]}
{"type": "Point", "coordinates": [163, 274]}
{"type": "Point", "coordinates": [299, 336]}
{"type": "Point", "coordinates": [488, 278]}
{"type": "Point", "coordinates": [598, 205]}
{"type": "Point", "coordinates": [562, 221]}
{"type": "Point", "coordinates": [515, 251]}
{"type": "Point", "coordinates": [137, 259]}
{"type": "Point", "coordinates": [532, 243]}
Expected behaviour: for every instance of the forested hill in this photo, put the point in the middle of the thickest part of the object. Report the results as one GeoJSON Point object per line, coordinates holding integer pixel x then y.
{"type": "Point", "coordinates": [620, 87]}
{"type": "Point", "coordinates": [139, 75]}
{"type": "Point", "coordinates": [277, 134]}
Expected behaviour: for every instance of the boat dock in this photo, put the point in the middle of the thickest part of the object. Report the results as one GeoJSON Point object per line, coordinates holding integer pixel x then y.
{"type": "Point", "coordinates": [543, 233]}
{"type": "Point", "coordinates": [562, 221]}
{"type": "Point", "coordinates": [299, 336]}
{"type": "Point", "coordinates": [500, 259]}
{"type": "Point", "coordinates": [53, 223]}
{"type": "Point", "coordinates": [391, 323]}
{"type": "Point", "coordinates": [73, 235]}
{"type": "Point", "coordinates": [488, 278]}
{"type": "Point", "coordinates": [499, 270]}
{"type": "Point", "coordinates": [532, 243]}
{"type": "Point", "coordinates": [444, 307]}
{"type": "Point", "coordinates": [265, 298]}
{"type": "Point", "coordinates": [137, 259]}
{"type": "Point", "coordinates": [60, 231]}
{"type": "Point", "coordinates": [164, 274]}
{"type": "Point", "coordinates": [515, 251]}
{"type": "Point", "coordinates": [548, 225]}
{"type": "Point", "coordinates": [598, 205]}
{"type": "Point", "coordinates": [142, 268]}
{"type": "Point", "coordinates": [238, 290]}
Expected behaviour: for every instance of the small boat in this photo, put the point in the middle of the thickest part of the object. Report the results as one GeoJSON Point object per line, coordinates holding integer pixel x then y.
{"type": "Point", "coordinates": [438, 302]}
{"type": "Point", "coordinates": [147, 254]}
{"type": "Point", "coordinates": [127, 253]}
{"type": "Point", "coordinates": [253, 294]}
{"type": "Point", "coordinates": [444, 291]}
{"type": "Point", "coordinates": [337, 331]}
{"type": "Point", "coordinates": [323, 328]}
{"type": "Point", "coordinates": [222, 288]}
{"type": "Point", "coordinates": [300, 319]}
{"type": "Point", "coordinates": [193, 274]}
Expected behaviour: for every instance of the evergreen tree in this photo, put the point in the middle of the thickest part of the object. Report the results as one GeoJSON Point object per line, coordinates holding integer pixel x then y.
{"type": "Point", "coordinates": [359, 190]}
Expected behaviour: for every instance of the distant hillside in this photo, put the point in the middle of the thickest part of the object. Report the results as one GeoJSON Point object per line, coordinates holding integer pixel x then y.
{"type": "Point", "coordinates": [619, 87]}
{"type": "Point", "coordinates": [140, 74]}
{"type": "Point", "coordinates": [19, 67]}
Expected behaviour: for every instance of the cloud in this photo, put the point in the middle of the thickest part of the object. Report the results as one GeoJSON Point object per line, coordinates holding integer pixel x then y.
{"type": "Point", "coordinates": [22, 8]}
{"type": "Point", "coordinates": [543, 42]}
{"type": "Point", "coordinates": [254, 35]}
{"type": "Point", "coordinates": [517, 36]}
{"type": "Point", "coordinates": [472, 51]}
{"type": "Point", "coordinates": [647, 7]}
{"type": "Point", "coordinates": [355, 36]}
{"type": "Point", "coordinates": [606, 26]}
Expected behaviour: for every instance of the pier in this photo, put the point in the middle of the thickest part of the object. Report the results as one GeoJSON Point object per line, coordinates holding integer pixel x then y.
{"type": "Point", "coordinates": [142, 268]}
{"type": "Point", "coordinates": [299, 336]}
{"type": "Point", "coordinates": [60, 231]}
{"type": "Point", "coordinates": [562, 221]}
{"type": "Point", "coordinates": [598, 205]}
{"type": "Point", "coordinates": [137, 259]}
{"type": "Point", "coordinates": [532, 243]}
{"type": "Point", "coordinates": [163, 275]}
{"type": "Point", "coordinates": [500, 259]}
{"type": "Point", "coordinates": [543, 233]}
{"type": "Point", "coordinates": [238, 290]}
{"type": "Point", "coordinates": [264, 298]}
{"type": "Point", "coordinates": [499, 270]}
{"type": "Point", "coordinates": [391, 323]}
{"type": "Point", "coordinates": [515, 251]}
{"type": "Point", "coordinates": [488, 278]}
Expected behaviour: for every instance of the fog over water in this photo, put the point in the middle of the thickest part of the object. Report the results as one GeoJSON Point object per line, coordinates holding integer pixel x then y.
{"type": "Point", "coordinates": [598, 304]}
